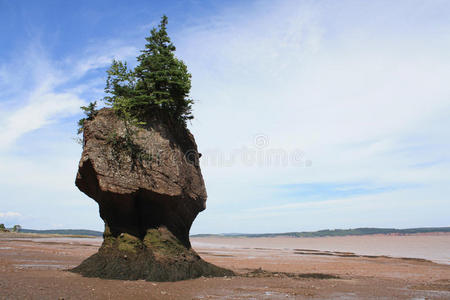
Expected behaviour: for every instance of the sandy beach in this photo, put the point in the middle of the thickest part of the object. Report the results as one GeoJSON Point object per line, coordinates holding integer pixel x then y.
{"type": "Point", "coordinates": [403, 267]}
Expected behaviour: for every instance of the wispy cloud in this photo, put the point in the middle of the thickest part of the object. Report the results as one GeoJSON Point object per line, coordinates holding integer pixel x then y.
{"type": "Point", "coordinates": [9, 214]}
{"type": "Point", "coordinates": [346, 94]}
{"type": "Point", "coordinates": [395, 209]}
{"type": "Point", "coordinates": [40, 99]}
{"type": "Point", "coordinates": [362, 99]}
{"type": "Point", "coordinates": [326, 190]}
{"type": "Point", "coordinates": [363, 93]}
{"type": "Point", "coordinates": [51, 89]}
{"type": "Point", "coordinates": [42, 108]}
{"type": "Point", "coordinates": [101, 55]}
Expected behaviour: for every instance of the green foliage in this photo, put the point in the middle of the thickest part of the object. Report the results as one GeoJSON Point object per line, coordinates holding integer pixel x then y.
{"type": "Point", "coordinates": [16, 228]}
{"type": "Point", "coordinates": [90, 111]}
{"type": "Point", "coordinates": [2, 226]}
{"type": "Point", "coordinates": [129, 243]}
{"type": "Point", "coordinates": [126, 145]}
{"type": "Point", "coordinates": [159, 84]}
{"type": "Point", "coordinates": [163, 242]}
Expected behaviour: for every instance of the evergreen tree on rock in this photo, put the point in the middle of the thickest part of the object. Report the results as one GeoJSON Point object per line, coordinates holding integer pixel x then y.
{"type": "Point", "coordinates": [159, 84]}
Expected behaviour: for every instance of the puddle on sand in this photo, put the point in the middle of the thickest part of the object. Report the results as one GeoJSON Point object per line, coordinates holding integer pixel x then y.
{"type": "Point", "coordinates": [39, 261]}
{"type": "Point", "coordinates": [344, 296]}
{"type": "Point", "coordinates": [5, 248]}
{"type": "Point", "coordinates": [268, 295]}
{"type": "Point", "coordinates": [40, 266]}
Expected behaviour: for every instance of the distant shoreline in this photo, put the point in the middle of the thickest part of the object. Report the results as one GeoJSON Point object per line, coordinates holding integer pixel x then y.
{"type": "Point", "coordinates": [321, 233]}
{"type": "Point", "coordinates": [339, 232]}
{"type": "Point", "coordinates": [219, 236]}
{"type": "Point", "coordinates": [14, 235]}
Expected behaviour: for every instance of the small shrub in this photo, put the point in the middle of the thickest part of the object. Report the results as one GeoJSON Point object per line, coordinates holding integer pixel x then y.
{"type": "Point", "coordinates": [125, 145]}
{"type": "Point", "coordinates": [90, 111]}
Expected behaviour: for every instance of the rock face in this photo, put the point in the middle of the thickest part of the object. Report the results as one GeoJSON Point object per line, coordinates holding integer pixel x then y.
{"type": "Point", "coordinates": [149, 188]}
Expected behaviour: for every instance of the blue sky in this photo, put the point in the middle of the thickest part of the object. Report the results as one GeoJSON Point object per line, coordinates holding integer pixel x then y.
{"type": "Point", "coordinates": [309, 114]}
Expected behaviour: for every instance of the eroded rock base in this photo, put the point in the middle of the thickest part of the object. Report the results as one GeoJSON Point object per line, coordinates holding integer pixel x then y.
{"type": "Point", "coordinates": [159, 256]}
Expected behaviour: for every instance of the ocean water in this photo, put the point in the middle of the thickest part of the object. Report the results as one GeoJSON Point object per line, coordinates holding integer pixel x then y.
{"type": "Point", "coordinates": [431, 247]}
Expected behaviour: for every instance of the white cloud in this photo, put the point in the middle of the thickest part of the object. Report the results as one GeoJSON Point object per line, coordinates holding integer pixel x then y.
{"type": "Point", "coordinates": [41, 110]}
{"type": "Point", "coordinates": [45, 91]}
{"type": "Point", "coordinates": [9, 214]}
{"type": "Point", "coordinates": [400, 209]}
{"type": "Point", "coordinates": [348, 100]}
{"type": "Point", "coordinates": [364, 100]}
{"type": "Point", "coordinates": [363, 92]}
{"type": "Point", "coordinates": [102, 55]}
{"type": "Point", "coordinates": [39, 102]}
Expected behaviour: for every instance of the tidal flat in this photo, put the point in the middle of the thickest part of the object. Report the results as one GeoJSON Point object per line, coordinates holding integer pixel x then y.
{"type": "Point", "coordinates": [381, 266]}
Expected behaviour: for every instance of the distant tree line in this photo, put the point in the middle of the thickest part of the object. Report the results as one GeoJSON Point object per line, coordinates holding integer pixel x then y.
{"type": "Point", "coordinates": [16, 228]}
{"type": "Point", "coordinates": [338, 232]}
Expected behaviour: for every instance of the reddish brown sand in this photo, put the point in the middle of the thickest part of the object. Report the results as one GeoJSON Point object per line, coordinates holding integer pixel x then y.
{"type": "Point", "coordinates": [34, 268]}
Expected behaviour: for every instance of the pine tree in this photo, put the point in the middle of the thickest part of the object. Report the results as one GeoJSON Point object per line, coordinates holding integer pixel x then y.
{"type": "Point", "coordinates": [160, 83]}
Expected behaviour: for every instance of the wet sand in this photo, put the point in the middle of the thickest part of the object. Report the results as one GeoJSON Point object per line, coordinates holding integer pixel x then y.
{"type": "Point", "coordinates": [291, 268]}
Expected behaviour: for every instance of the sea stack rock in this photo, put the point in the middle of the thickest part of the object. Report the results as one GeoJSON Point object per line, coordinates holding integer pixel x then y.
{"type": "Point", "coordinates": [148, 184]}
